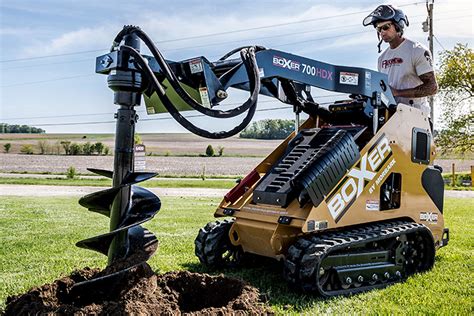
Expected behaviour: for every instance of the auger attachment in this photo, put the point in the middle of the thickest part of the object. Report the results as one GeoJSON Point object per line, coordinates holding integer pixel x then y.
{"type": "Point", "coordinates": [127, 244]}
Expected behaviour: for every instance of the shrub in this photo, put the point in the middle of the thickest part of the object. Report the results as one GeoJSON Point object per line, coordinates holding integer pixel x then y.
{"type": "Point", "coordinates": [6, 147]}
{"type": "Point", "coordinates": [137, 139]}
{"type": "Point", "coordinates": [220, 151]}
{"type": "Point", "coordinates": [43, 146]}
{"type": "Point", "coordinates": [56, 148]}
{"type": "Point", "coordinates": [75, 149]}
{"type": "Point", "coordinates": [71, 172]}
{"type": "Point", "coordinates": [88, 148]}
{"type": "Point", "coordinates": [27, 149]}
{"type": "Point", "coordinates": [99, 148]}
{"type": "Point", "coordinates": [209, 151]}
{"type": "Point", "coordinates": [106, 150]}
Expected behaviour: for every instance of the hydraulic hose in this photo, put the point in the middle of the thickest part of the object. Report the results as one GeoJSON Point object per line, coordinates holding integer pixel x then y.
{"type": "Point", "coordinates": [250, 62]}
{"type": "Point", "coordinates": [174, 81]}
{"type": "Point", "coordinates": [235, 50]}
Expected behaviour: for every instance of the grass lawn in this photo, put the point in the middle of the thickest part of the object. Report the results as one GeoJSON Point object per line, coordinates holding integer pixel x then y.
{"type": "Point", "coordinates": [38, 235]}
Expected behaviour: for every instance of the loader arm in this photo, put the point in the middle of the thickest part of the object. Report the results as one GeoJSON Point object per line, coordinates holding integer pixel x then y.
{"type": "Point", "coordinates": [283, 76]}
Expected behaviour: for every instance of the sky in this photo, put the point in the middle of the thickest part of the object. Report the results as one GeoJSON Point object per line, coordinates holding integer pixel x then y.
{"type": "Point", "coordinates": [48, 49]}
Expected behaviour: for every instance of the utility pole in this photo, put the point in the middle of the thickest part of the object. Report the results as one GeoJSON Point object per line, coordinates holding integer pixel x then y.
{"type": "Point", "coordinates": [428, 27]}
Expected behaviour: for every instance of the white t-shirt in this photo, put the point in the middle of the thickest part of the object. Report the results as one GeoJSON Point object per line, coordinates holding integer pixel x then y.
{"type": "Point", "coordinates": [404, 65]}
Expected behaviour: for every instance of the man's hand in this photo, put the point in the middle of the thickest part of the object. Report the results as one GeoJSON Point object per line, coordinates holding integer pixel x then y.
{"type": "Point", "coordinates": [427, 88]}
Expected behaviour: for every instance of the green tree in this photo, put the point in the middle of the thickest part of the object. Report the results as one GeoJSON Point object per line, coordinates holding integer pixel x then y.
{"type": "Point", "coordinates": [6, 147]}
{"type": "Point", "coordinates": [456, 86]}
{"type": "Point", "coordinates": [67, 146]}
{"type": "Point", "coordinates": [209, 151]}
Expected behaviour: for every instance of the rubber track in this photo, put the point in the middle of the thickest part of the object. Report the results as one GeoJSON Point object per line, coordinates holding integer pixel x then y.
{"type": "Point", "coordinates": [304, 258]}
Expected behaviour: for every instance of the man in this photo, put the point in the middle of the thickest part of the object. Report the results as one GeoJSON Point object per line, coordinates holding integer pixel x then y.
{"type": "Point", "coordinates": [408, 64]}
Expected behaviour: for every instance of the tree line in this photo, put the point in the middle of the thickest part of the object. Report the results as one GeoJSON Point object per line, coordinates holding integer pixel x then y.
{"type": "Point", "coordinates": [269, 129]}
{"type": "Point", "coordinates": [16, 129]}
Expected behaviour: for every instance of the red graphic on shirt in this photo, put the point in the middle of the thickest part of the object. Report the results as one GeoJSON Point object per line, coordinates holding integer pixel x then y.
{"type": "Point", "coordinates": [389, 62]}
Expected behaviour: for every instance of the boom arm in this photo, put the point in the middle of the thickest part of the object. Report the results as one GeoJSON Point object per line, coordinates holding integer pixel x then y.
{"type": "Point", "coordinates": [200, 84]}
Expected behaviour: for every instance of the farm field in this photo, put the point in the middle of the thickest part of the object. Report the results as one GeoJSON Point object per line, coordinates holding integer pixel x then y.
{"type": "Point", "coordinates": [38, 236]}
{"type": "Point", "coordinates": [171, 155]}
{"type": "Point", "coordinates": [165, 166]}
{"type": "Point", "coordinates": [158, 144]}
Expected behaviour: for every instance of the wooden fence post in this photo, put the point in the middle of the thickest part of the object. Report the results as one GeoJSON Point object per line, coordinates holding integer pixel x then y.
{"type": "Point", "coordinates": [453, 175]}
{"type": "Point", "coordinates": [472, 176]}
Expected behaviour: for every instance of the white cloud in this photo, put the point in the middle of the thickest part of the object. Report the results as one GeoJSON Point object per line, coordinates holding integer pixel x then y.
{"type": "Point", "coordinates": [164, 26]}
{"type": "Point", "coordinates": [79, 40]}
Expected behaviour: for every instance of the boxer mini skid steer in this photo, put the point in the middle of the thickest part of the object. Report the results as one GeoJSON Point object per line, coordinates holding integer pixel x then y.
{"type": "Point", "coordinates": [349, 202]}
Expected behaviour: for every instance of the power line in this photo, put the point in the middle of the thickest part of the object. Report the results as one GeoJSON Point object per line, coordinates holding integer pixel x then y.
{"type": "Point", "coordinates": [205, 35]}
{"type": "Point", "coordinates": [285, 107]}
{"type": "Point", "coordinates": [143, 112]}
{"type": "Point", "coordinates": [150, 119]}
{"type": "Point", "coordinates": [43, 81]}
{"type": "Point", "coordinates": [49, 64]}
{"type": "Point", "coordinates": [234, 41]}
{"type": "Point", "coordinates": [281, 45]}
{"type": "Point", "coordinates": [436, 38]}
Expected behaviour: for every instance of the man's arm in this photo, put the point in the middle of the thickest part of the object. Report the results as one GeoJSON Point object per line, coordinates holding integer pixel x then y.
{"type": "Point", "coordinates": [427, 88]}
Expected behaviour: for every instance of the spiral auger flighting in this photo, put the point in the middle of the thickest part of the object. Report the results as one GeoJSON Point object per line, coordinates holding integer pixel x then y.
{"type": "Point", "coordinates": [142, 207]}
{"type": "Point", "coordinates": [127, 244]}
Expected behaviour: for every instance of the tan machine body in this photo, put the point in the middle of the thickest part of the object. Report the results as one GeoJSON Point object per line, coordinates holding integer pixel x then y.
{"type": "Point", "coordinates": [256, 228]}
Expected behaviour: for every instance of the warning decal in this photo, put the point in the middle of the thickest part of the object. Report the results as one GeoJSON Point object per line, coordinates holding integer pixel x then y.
{"type": "Point", "coordinates": [350, 78]}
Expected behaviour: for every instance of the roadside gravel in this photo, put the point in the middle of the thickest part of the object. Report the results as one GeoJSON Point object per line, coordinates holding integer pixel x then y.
{"type": "Point", "coordinates": [48, 190]}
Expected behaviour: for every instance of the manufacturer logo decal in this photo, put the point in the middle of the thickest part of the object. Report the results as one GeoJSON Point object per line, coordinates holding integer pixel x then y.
{"type": "Point", "coordinates": [355, 181]}
{"type": "Point", "coordinates": [303, 68]}
{"type": "Point", "coordinates": [286, 63]}
{"type": "Point", "coordinates": [429, 217]}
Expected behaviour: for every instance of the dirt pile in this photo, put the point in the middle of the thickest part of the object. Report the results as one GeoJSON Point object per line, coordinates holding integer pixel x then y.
{"type": "Point", "coordinates": [141, 292]}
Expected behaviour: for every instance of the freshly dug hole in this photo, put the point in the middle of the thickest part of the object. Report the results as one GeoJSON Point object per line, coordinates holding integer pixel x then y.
{"type": "Point", "coordinates": [197, 291]}
{"type": "Point", "coordinates": [144, 293]}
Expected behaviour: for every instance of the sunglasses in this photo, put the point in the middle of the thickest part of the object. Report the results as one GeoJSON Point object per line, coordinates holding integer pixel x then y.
{"type": "Point", "coordinates": [384, 27]}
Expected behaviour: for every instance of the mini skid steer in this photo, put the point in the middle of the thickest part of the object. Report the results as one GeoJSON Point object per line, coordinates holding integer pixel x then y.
{"type": "Point", "coordinates": [350, 201]}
